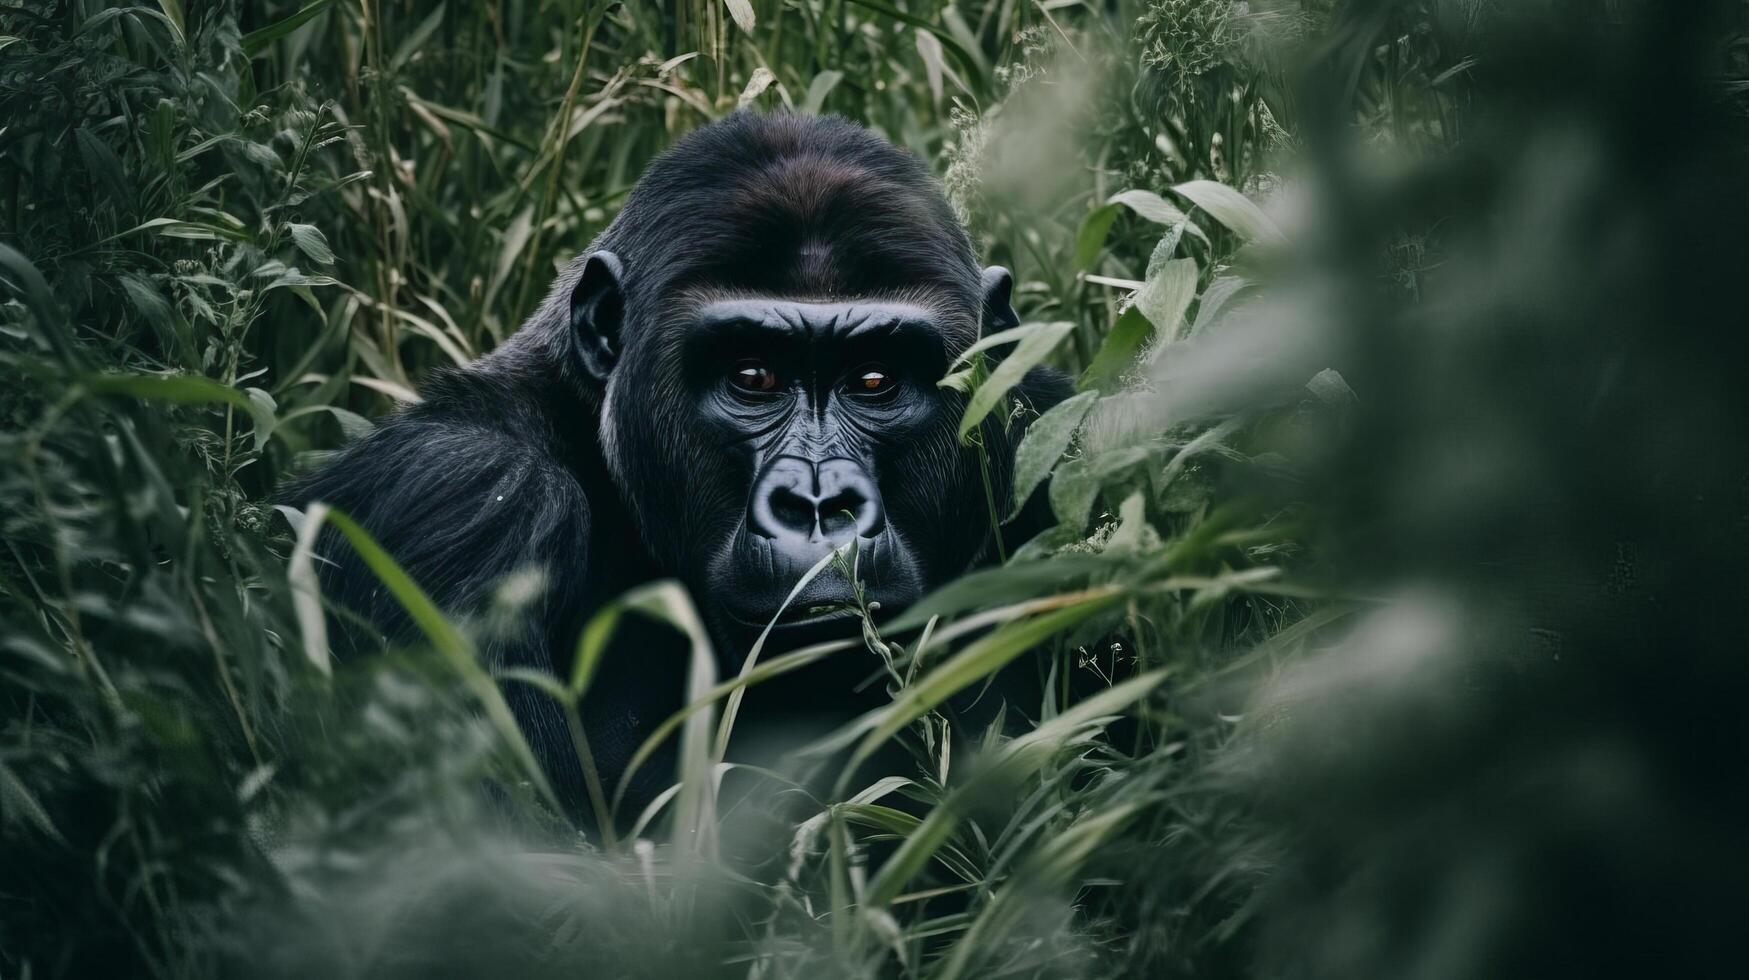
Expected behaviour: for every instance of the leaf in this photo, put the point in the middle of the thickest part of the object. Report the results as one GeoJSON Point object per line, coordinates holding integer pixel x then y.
{"type": "Point", "coordinates": [1072, 491]}
{"type": "Point", "coordinates": [982, 658]}
{"type": "Point", "coordinates": [103, 166]}
{"type": "Point", "coordinates": [1016, 760]}
{"type": "Point", "coordinates": [306, 589]}
{"type": "Point", "coordinates": [1156, 209]}
{"type": "Point", "coordinates": [1219, 292]}
{"type": "Point", "coordinates": [929, 49]}
{"type": "Point", "coordinates": [590, 646]}
{"type": "Point", "coordinates": [742, 12]}
{"type": "Point", "coordinates": [173, 13]}
{"type": "Point", "coordinates": [255, 41]}
{"type": "Point", "coordinates": [1076, 484]}
{"type": "Point", "coordinates": [1047, 438]}
{"type": "Point", "coordinates": [1164, 250]}
{"type": "Point", "coordinates": [1012, 335]}
{"type": "Point", "coordinates": [455, 647]}
{"type": "Point", "coordinates": [948, 41]}
{"type": "Point", "coordinates": [192, 230]}
{"type": "Point", "coordinates": [1031, 351]}
{"type": "Point", "coordinates": [1331, 388]}
{"type": "Point", "coordinates": [146, 300]}
{"type": "Point", "coordinates": [1164, 298]}
{"type": "Point", "coordinates": [1013, 582]}
{"type": "Point", "coordinates": [182, 389]}
{"type": "Point", "coordinates": [16, 798]}
{"type": "Point", "coordinates": [1051, 867]}
{"type": "Point", "coordinates": [415, 42]}
{"type": "Point", "coordinates": [818, 89]}
{"type": "Point", "coordinates": [733, 707]}
{"type": "Point", "coordinates": [310, 241]}
{"type": "Point", "coordinates": [1090, 237]}
{"type": "Point", "coordinates": [264, 410]}
{"type": "Point", "coordinates": [1117, 353]}
{"type": "Point", "coordinates": [668, 601]}
{"type": "Point", "coordinates": [1232, 209]}
{"type": "Point", "coordinates": [756, 86]}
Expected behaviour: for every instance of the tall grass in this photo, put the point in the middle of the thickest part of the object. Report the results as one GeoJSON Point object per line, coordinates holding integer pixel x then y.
{"type": "Point", "coordinates": [1387, 625]}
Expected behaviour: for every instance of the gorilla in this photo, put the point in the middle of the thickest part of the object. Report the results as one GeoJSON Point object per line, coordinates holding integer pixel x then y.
{"type": "Point", "coordinates": [739, 375]}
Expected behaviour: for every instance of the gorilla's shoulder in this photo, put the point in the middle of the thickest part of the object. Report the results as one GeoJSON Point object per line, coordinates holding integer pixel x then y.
{"type": "Point", "coordinates": [462, 488]}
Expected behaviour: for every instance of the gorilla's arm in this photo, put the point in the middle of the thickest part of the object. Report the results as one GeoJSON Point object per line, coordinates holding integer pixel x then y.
{"type": "Point", "coordinates": [462, 498]}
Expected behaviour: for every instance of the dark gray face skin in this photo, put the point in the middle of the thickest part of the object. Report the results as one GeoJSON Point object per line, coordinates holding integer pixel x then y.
{"type": "Point", "coordinates": [751, 433]}
{"type": "Point", "coordinates": [807, 399]}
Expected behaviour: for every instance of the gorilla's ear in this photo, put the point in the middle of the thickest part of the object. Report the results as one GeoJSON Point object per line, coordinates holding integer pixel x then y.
{"type": "Point", "coordinates": [998, 288]}
{"type": "Point", "coordinates": [597, 308]}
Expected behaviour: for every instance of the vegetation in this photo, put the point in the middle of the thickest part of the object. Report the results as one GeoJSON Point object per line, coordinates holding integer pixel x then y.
{"type": "Point", "coordinates": [1392, 615]}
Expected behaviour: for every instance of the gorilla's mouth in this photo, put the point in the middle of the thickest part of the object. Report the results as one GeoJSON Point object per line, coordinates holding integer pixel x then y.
{"type": "Point", "coordinates": [798, 614]}
{"type": "Point", "coordinates": [753, 580]}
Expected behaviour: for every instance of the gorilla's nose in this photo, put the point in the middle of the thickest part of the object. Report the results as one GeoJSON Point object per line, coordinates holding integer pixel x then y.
{"type": "Point", "coordinates": [797, 500]}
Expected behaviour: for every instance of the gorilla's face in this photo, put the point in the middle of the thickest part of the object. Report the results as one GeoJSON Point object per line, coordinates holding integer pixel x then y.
{"type": "Point", "coordinates": [815, 406]}
{"type": "Point", "coordinates": [756, 434]}
{"type": "Point", "coordinates": [771, 313]}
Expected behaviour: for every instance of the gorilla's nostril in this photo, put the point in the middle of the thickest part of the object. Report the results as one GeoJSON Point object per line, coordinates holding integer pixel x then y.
{"type": "Point", "coordinates": [793, 511]}
{"type": "Point", "coordinates": [851, 504]}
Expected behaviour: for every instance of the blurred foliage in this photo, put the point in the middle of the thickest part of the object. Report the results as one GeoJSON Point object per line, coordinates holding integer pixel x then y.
{"type": "Point", "coordinates": [1388, 624]}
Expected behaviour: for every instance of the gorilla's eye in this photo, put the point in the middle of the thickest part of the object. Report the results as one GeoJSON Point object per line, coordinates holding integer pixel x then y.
{"type": "Point", "coordinates": [872, 379]}
{"type": "Point", "coordinates": [753, 376]}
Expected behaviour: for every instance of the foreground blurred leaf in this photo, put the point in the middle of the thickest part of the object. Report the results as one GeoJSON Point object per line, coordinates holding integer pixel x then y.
{"type": "Point", "coordinates": [1232, 209]}
{"type": "Point", "coordinates": [456, 648]}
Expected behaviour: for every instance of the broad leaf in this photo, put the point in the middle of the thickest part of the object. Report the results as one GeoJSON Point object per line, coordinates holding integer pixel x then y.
{"type": "Point", "coordinates": [1232, 209]}
{"type": "Point", "coordinates": [1031, 351]}
{"type": "Point", "coordinates": [1047, 438]}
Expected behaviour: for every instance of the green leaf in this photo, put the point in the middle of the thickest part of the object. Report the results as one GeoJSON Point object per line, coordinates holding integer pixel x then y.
{"type": "Point", "coordinates": [1164, 298]}
{"type": "Point", "coordinates": [255, 41]}
{"type": "Point", "coordinates": [756, 86]}
{"type": "Point", "coordinates": [981, 659]}
{"type": "Point", "coordinates": [1090, 237]}
{"type": "Point", "coordinates": [146, 300]}
{"type": "Point", "coordinates": [1331, 388]}
{"type": "Point", "coordinates": [306, 588]}
{"type": "Point", "coordinates": [1047, 438]}
{"type": "Point", "coordinates": [264, 410]}
{"type": "Point", "coordinates": [1073, 488]}
{"type": "Point", "coordinates": [415, 42]}
{"type": "Point", "coordinates": [742, 12]}
{"type": "Point", "coordinates": [1009, 583]}
{"type": "Point", "coordinates": [590, 647]}
{"type": "Point", "coordinates": [1117, 353]}
{"type": "Point", "coordinates": [1037, 345]}
{"type": "Point", "coordinates": [972, 65]}
{"type": "Point", "coordinates": [1232, 209]}
{"type": "Point", "coordinates": [1016, 760]}
{"type": "Point", "coordinates": [818, 89]}
{"type": "Point", "coordinates": [103, 166]}
{"type": "Point", "coordinates": [1156, 209]}
{"type": "Point", "coordinates": [668, 601]}
{"type": "Point", "coordinates": [455, 647]}
{"type": "Point", "coordinates": [310, 241]}
{"type": "Point", "coordinates": [1012, 335]}
{"type": "Point", "coordinates": [173, 13]}
{"type": "Point", "coordinates": [17, 799]}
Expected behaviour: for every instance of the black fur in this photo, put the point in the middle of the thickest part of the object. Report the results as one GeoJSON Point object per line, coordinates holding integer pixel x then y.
{"type": "Point", "coordinates": [582, 447]}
